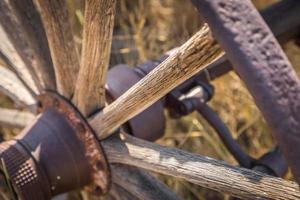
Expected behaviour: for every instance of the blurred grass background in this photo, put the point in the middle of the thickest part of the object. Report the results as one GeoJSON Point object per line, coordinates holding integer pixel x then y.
{"type": "Point", "coordinates": [145, 29]}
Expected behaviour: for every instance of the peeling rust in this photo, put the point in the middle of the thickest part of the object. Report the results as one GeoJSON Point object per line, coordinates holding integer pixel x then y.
{"type": "Point", "coordinates": [57, 153]}
{"type": "Point", "coordinates": [94, 152]}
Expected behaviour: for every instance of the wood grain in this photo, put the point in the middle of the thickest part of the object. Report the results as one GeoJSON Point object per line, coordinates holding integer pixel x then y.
{"type": "Point", "coordinates": [119, 193]}
{"type": "Point", "coordinates": [140, 183]}
{"type": "Point", "coordinates": [9, 65]}
{"type": "Point", "coordinates": [10, 56]}
{"type": "Point", "coordinates": [11, 86]}
{"type": "Point", "coordinates": [54, 15]}
{"type": "Point", "coordinates": [197, 169]}
{"type": "Point", "coordinates": [95, 55]}
{"type": "Point", "coordinates": [190, 58]}
{"type": "Point", "coordinates": [24, 28]}
{"type": "Point", "coordinates": [14, 118]}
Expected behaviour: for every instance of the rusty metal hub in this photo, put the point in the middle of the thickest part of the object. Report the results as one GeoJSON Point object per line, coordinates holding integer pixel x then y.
{"type": "Point", "coordinates": [57, 153]}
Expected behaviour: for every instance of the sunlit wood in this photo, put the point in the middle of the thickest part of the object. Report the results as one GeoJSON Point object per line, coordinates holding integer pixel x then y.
{"type": "Point", "coordinates": [23, 26]}
{"type": "Point", "coordinates": [14, 118]}
{"type": "Point", "coordinates": [96, 47]}
{"type": "Point", "coordinates": [141, 183]}
{"type": "Point", "coordinates": [197, 169]}
{"type": "Point", "coordinates": [12, 58]}
{"type": "Point", "coordinates": [11, 86]}
{"type": "Point", "coordinates": [64, 55]}
{"type": "Point", "coordinates": [193, 56]}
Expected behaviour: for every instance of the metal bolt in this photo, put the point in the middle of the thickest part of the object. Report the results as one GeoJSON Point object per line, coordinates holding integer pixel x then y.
{"type": "Point", "coordinates": [80, 127]}
{"type": "Point", "coordinates": [56, 103]}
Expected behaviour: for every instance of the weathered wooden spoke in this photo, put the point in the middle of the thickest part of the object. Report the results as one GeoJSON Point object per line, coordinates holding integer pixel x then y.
{"type": "Point", "coordinates": [15, 118]}
{"type": "Point", "coordinates": [11, 86]}
{"type": "Point", "coordinates": [60, 135]}
{"type": "Point", "coordinates": [97, 39]}
{"type": "Point", "coordinates": [198, 52]}
{"type": "Point", "coordinates": [23, 24]}
{"type": "Point", "coordinates": [12, 59]}
{"type": "Point", "coordinates": [203, 171]}
{"type": "Point", "coordinates": [64, 54]}
{"type": "Point", "coordinates": [140, 183]}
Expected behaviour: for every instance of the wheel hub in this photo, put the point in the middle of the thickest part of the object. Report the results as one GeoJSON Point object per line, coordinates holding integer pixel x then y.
{"type": "Point", "coordinates": [57, 153]}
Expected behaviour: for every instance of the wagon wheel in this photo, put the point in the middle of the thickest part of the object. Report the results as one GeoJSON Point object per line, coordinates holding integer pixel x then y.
{"type": "Point", "coordinates": [30, 163]}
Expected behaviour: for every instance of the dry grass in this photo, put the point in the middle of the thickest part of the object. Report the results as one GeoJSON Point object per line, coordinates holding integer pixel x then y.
{"type": "Point", "coordinates": [144, 30]}
{"type": "Point", "coordinates": [155, 26]}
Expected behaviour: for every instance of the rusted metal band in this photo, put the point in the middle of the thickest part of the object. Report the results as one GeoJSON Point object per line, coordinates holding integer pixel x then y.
{"type": "Point", "coordinates": [57, 153]}
{"type": "Point", "coordinates": [26, 178]}
{"type": "Point", "coordinates": [263, 66]}
{"type": "Point", "coordinates": [100, 172]}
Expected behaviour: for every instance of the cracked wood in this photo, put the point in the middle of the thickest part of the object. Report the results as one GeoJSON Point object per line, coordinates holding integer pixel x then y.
{"type": "Point", "coordinates": [24, 28]}
{"type": "Point", "coordinates": [11, 86]}
{"type": "Point", "coordinates": [204, 171]}
{"type": "Point", "coordinates": [197, 53]}
{"type": "Point", "coordinates": [12, 59]}
{"type": "Point", "coordinates": [96, 47]}
{"type": "Point", "coordinates": [54, 15]}
{"type": "Point", "coordinates": [141, 184]}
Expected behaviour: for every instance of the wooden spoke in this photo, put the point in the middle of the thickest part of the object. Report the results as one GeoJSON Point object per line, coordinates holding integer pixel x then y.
{"type": "Point", "coordinates": [55, 18]}
{"type": "Point", "coordinates": [132, 182]}
{"type": "Point", "coordinates": [13, 60]}
{"type": "Point", "coordinates": [15, 118]}
{"type": "Point", "coordinates": [190, 58]}
{"type": "Point", "coordinates": [200, 170]}
{"type": "Point", "coordinates": [13, 87]}
{"type": "Point", "coordinates": [13, 68]}
{"type": "Point", "coordinates": [140, 183]}
{"type": "Point", "coordinates": [119, 193]}
{"type": "Point", "coordinates": [96, 47]}
{"type": "Point", "coordinates": [23, 26]}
